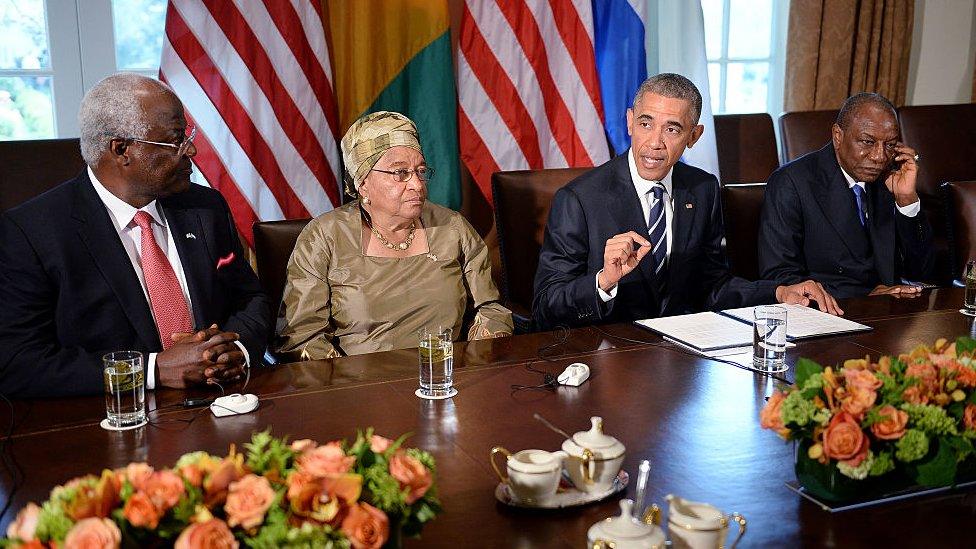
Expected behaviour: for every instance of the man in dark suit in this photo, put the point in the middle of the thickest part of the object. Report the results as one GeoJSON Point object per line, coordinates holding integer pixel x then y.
{"type": "Point", "coordinates": [129, 255]}
{"type": "Point", "coordinates": [848, 215]}
{"type": "Point", "coordinates": [641, 235]}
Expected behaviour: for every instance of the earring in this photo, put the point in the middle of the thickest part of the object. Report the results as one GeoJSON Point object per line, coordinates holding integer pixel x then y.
{"type": "Point", "coordinates": [365, 199]}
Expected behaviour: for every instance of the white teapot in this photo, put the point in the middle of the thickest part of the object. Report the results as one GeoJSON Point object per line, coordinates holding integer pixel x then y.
{"type": "Point", "coordinates": [626, 532]}
{"type": "Point", "coordinates": [594, 459]}
{"type": "Point", "coordinates": [700, 525]}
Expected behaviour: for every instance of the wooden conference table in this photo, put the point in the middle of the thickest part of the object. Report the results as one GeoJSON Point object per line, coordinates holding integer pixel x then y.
{"type": "Point", "coordinates": [695, 419]}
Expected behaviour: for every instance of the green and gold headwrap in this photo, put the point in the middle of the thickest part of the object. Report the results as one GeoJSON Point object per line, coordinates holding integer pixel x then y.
{"type": "Point", "coordinates": [371, 136]}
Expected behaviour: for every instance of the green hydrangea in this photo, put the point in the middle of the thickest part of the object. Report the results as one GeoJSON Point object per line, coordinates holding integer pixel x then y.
{"type": "Point", "coordinates": [912, 446]}
{"type": "Point", "coordinates": [882, 464]}
{"type": "Point", "coordinates": [815, 381]}
{"type": "Point", "coordinates": [857, 473]}
{"type": "Point", "coordinates": [796, 409]}
{"type": "Point", "coordinates": [821, 416]}
{"type": "Point", "coordinates": [52, 523]}
{"type": "Point", "coordinates": [930, 419]}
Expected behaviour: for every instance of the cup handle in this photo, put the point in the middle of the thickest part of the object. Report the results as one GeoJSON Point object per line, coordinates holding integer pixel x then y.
{"type": "Point", "coordinates": [741, 521]}
{"type": "Point", "coordinates": [499, 450]}
{"type": "Point", "coordinates": [588, 466]}
{"type": "Point", "coordinates": [652, 515]}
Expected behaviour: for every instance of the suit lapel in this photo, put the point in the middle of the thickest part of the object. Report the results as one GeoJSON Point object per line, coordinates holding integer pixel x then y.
{"type": "Point", "coordinates": [191, 244]}
{"type": "Point", "coordinates": [882, 231]}
{"type": "Point", "coordinates": [97, 231]}
{"type": "Point", "coordinates": [683, 216]}
{"type": "Point", "coordinates": [834, 198]}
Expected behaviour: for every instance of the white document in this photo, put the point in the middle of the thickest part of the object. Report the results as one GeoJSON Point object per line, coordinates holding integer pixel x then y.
{"type": "Point", "coordinates": [702, 331]}
{"type": "Point", "coordinates": [803, 322]}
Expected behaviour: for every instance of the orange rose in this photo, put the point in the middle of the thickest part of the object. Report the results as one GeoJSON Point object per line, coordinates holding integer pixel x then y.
{"type": "Point", "coordinates": [412, 474]}
{"type": "Point", "coordinates": [863, 379]}
{"type": "Point", "coordinates": [247, 501]}
{"type": "Point", "coordinates": [137, 474]}
{"type": "Point", "coordinates": [366, 526]}
{"type": "Point", "coordinates": [141, 512]}
{"type": "Point", "coordinates": [858, 401]}
{"type": "Point", "coordinates": [93, 533]}
{"type": "Point", "coordinates": [844, 441]}
{"type": "Point", "coordinates": [770, 416]}
{"type": "Point", "coordinates": [193, 474]}
{"type": "Point", "coordinates": [326, 460]}
{"type": "Point", "coordinates": [164, 489]}
{"type": "Point", "coordinates": [926, 373]}
{"type": "Point", "coordinates": [227, 471]}
{"type": "Point", "coordinates": [969, 417]}
{"type": "Point", "coordinates": [964, 375]}
{"type": "Point", "coordinates": [33, 544]}
{"type": "Point", "coordinates": [24, 526]}
{"type": "Point", "coordinates": [893, 425]}
{"type": "Point", "coordinates": [379, 444]}
{"type": "Point", "coordinates": [915, 394]}
{"type": "Point", "coordinates": [209, 534]}
{"type": "Point", "coordinates": [94, 496]}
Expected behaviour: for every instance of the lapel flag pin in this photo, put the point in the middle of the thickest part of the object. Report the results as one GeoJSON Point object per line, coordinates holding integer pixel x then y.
{"type": "Point", "coordinates": [689, 205]}
{"type": "Point", "coordinates": [191, 235]}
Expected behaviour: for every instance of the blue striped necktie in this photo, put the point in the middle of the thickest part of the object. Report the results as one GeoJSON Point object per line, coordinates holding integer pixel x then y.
{"type": "Point", "coordinates": [859, 197]}
{"type": "Point", "coordinates": [657, 230]}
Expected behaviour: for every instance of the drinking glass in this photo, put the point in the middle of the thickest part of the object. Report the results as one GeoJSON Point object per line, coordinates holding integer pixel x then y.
{"type": "Point", "coordinates": [436, 356]}
{"type": "Point", "coordinates": [969, 277]}
{"type": "Point", "coordinates": [769, 338]}
{"type": "Point", "coordinates": [125, 389]}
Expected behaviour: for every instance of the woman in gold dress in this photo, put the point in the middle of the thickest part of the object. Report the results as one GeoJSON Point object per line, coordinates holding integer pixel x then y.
{"type": "Point", "coordinates": [369, 275]}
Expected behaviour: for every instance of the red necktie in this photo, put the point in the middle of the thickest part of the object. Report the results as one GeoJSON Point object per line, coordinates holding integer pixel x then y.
{"type": "Point", "coordinates": [165, 295]}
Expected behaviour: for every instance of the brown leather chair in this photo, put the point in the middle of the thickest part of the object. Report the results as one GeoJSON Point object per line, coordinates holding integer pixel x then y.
{"type": "Point", "coordinates": [746, 147]}
{"type": "Point", "coordinates": [522, 200]}
{"type": "Point", "coordinates": [273, 244]}
{"type": "Point", "coordinates": [741, 206]}
{"type": "Point", "coordinates": [804, 131]}
{"type": "Point", "coordinates": [28, 168]}
{"type": "Point", "coordinates": [960, 200]}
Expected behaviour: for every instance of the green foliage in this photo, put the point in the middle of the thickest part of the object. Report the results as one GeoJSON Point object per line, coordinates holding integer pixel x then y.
{"type": "Point", "coordinates": [965, 345]}
{"type": "Point", "coordinates": [931, 419]}
{"type": "Point", "coordinates": [961, 447]}
{"type": "Point", "coordinates": [883, 463]}
{"type": "Point", "coordinates": [806, 368]}
{"type": "Point", "coordinates": [941, 469]}
{"type": "Point", "coordinates": [184, 509]}
{"type": "Point", "coordinates": [53, 524]}
{"type": "Point", "coordinates": [912, 446]}
{"type": "Point", "coordinates": [384, 490]}
{"type": "Point", "coordinates": [797, 410]}
{"type": "Point", "coordinates": [276, 532]}
{"type": "Point", "coordinates": [266, 453]}
{"type": "Point", "coordinates": [812, 386]}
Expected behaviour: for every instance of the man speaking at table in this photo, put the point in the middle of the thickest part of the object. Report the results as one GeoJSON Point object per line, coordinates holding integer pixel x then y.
{"type": "Point", "coordinates": [848, 215]}
{"type": "Point", "coordinates": [129, 255]}
{"type": "Point", "coordinates": [641, 236]}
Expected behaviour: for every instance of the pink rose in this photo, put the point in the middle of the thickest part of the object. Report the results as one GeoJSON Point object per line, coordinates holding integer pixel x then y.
{"type": "Point", "coordinates": [329, 459]}
{"type": "Point", "coordinates": [193, 474]}
{"type": "Point", "coordinates": [227, 471]}
{"type": "Point", "coordinates": [969, 417]}
{"type": "Point", "coordinates": [137, 474]}
{"type": "Point", "coordinates": [379, 444]}
{"type": "Point", "coordinates": [247, 501]}
{"type": "Point", "coordinates": [858, 401]}
{"type": "Point", "coordinates": [915, 394]}
{"type": "Point", "coordinates": [893, 425]}
{"type": "Point", "coordinates": [412, 474]}
{"type": "Point", "coordinates": [926, 373]}
{"type": "Point", "coordinates": [844, 441]}
{"type": "Point", "coordinates": [140, 511]}
{"type": "Point", "coordinates": [770, 416]}
{"type": "Point", "coordinates": [24, 526]}
{"type": "Point", "coordinates": [93, 533]}
{"type": "Point", "coordinates": [366, 526]}
{"type": "Point", "coordinates": [164, 488]}
{"type": "Point", "coordinates": [863, 379]}
{"type": "Point", "coordinates": [209, 534]}
{"type": "Point", "coordinates": [303, 445]}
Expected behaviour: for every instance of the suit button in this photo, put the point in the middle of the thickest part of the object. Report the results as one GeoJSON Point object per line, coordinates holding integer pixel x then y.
{"type": "Point", "coordinates": [840, 270]}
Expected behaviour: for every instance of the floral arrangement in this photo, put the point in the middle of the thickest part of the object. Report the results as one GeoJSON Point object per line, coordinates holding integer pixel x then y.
{"type": "Point", "coordinates": [278, 494]}
{"type": "Point", "coordinates": [910, 418]}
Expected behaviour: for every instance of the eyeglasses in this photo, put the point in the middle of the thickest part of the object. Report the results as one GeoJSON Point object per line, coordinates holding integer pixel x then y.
{"type": "Point", "coordinates": [180, 147]}
{"type": "Point", "coordinates": [403, 175]}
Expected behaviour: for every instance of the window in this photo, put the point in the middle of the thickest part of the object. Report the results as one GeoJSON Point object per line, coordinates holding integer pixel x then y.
{"type": "Point", "coordinates": [745, 45]}
{"type": "Point", "coordinates": [52, 51]}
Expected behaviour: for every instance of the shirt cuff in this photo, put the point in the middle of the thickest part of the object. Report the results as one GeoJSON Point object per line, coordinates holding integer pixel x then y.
{"type": "Point", "coordinates": [604, 296]}
{"type": "Point", "coordinates": [247, 357]}
{"type": "Point", "coordinates": [910, 210]}
{"type": "Point", "coordinates": [151, 371]}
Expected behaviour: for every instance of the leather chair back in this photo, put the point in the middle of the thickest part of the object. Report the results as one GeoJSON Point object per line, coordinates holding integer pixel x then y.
{"type": "Point", "coordinates": [804, 131]}
{"type": "Point", "coordinates": [28, 168]}
{"type": "Point", "coordinates": [522, 200]}
{"type": "Point", "coordinates": [741, 206]}
{"type": "Point", "coordinates": [273, 244]}
{"type": "Point", "coordinates": [960, 199]}
{"type": "Point", "coordinates": [746, 147]}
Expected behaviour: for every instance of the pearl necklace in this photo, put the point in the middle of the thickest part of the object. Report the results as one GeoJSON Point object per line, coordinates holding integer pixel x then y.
{"type": "Point", "coordinates": [401, 246]}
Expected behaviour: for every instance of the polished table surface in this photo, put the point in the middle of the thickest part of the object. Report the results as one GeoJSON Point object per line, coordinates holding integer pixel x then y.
{"type": "Point", "coordinates": [695, 419]}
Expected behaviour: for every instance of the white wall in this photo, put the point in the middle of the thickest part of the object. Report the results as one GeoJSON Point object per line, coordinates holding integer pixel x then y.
{"type": "Point", "coordinates": [940, 70]}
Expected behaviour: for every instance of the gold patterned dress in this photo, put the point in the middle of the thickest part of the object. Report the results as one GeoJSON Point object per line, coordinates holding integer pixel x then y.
{"type": "Point", "coordinates": [339, 301]}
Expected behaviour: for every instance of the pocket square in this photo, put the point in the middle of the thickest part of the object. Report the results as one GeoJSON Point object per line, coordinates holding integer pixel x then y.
{"type": "Point", "coordinates": [689, 205]}
{"type": "Point", "coordinates": [225, 260]}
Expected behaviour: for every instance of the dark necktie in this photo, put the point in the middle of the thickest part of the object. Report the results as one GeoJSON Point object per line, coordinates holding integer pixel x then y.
{"type": "Point", "coordinates": [859, 197]}
{"type": "Point", "coordinates": [657, 230]}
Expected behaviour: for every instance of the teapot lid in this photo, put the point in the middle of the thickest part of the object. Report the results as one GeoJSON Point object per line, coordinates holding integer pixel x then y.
{"type": "Point", "coordinates": [594, 438]}
{"type": "Point", "coordinates": [626, 528]}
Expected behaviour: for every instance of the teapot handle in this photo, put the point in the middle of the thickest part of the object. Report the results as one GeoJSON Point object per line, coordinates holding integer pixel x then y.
{"type": "Point", "coordinates": [603, 544]}
{"type": "Point", "coordinates": [741, 521]}
{"type": "Point", "coordinates": [588, 466]}
{"type": "Point", "coordinates": [499, 450]}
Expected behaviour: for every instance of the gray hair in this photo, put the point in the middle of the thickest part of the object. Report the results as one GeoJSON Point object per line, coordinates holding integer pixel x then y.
{"type": "Point", "coordinates": [112, 109]}
{"type": "Point", "coordinates": [846, 113]}
{"type": "Point", "coordinates": [675, 86]}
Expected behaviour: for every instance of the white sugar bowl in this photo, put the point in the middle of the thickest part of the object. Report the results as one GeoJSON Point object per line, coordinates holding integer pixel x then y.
{"type": "Point", "coordinates": [594, 459]}
{"type": "Point", "coordinates": [625, 532]}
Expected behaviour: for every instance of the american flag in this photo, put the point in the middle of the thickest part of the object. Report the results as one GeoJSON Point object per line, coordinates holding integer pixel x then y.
{"type": "Point", "coordinates": [256, 80]}
{"type": "Point", "coordinates": [528, 88]}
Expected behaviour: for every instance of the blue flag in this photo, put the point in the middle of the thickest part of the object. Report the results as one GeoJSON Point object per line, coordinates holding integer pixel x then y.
{"type": "Point", "coordinates": [621, 62]}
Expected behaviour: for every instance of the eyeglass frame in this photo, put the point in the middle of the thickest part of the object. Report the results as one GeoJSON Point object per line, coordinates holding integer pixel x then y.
{"type": "Point", "coordinates": [181, 149]}
{"type": "Point", "coordinates": [429, 174]}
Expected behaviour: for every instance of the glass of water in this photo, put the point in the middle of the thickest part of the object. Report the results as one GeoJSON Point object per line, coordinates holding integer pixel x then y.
{"type": "Point", "coordinates": [769, 338]}
{"type": "Point", "coordinates": [436, 354]}
{"type": "Point", "coordinates": [969, 277]}
{"type": "Point", "coordinates": [125, 389]}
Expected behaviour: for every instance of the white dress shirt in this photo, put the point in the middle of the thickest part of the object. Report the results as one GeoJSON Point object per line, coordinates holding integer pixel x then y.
{"type": "Point", "coordinates": [130, 234]}
{"type": "Point", "coordinates": [643, 189]}
{"type": "Point", "coordinates": [910, 210]}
